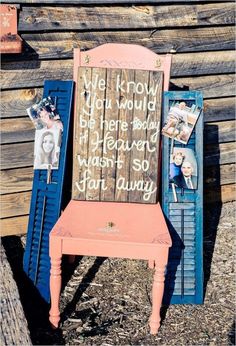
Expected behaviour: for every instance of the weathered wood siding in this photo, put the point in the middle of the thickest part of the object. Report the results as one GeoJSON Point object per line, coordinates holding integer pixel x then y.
{"type": "Point", "coordinates": [199, 34]}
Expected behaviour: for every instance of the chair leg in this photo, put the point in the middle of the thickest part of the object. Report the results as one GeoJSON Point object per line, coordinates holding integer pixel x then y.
{"type": "Point", "coordinates": [157, 295]}
{"type": "Point", "coordinates": [55, 289]}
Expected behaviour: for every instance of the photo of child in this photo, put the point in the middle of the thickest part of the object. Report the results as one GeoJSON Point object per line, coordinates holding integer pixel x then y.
{"type": "Point", "coordinates": [47, 148]}
{"type": "Point", "coordinates": [183, 168]}
{"type": "Point", "coordinates": [175, 164]}
{"type": "Point", "coordinates": [44, 115]}
{"type": "Point", "coordinates": [181, 121]}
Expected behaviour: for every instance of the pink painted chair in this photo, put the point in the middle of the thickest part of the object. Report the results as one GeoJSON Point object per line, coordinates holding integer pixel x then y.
{"type": "Point", "coordinates": [110, 229]}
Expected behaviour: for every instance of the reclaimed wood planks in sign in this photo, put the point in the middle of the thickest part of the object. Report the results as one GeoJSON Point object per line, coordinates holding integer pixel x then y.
{"type": "Point", "coordinates": [116, 135]}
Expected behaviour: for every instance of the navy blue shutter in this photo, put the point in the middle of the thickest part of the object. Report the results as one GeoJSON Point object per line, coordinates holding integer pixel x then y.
{"type": "Point", "coordinates": [48, 200]}
{"type": "Point", "coordinates": [184, 277]}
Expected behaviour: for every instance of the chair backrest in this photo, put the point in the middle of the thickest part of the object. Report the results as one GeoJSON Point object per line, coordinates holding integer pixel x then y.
{"type": "Point", "coordinates": [128, 56]}
{"type": "Point", "coordinates": [117, 123]}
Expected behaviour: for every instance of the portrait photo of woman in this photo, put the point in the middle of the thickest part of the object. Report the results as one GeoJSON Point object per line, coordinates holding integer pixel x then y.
{"type": "Point", "coordinates": [47, 149]}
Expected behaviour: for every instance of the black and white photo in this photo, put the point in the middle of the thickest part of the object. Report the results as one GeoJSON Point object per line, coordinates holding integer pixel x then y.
{"type": "Point", "coordinates": [47, 149]}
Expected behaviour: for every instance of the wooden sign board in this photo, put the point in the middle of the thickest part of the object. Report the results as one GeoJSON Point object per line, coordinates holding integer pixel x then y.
{"type": "Point", "coordinates": [116, 135]}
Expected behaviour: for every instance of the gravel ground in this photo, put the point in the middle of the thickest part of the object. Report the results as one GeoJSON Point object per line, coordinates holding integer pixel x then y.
{"type": "Point", "coordinates": [107, 301]}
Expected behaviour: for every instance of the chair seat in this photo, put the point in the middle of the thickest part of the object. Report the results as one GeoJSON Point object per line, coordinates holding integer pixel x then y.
{"type": "Point", "coordinates": [112, 229]}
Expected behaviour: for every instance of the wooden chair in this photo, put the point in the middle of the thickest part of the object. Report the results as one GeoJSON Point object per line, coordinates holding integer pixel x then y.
{"type": "Point", "coordinates": [110, 229]}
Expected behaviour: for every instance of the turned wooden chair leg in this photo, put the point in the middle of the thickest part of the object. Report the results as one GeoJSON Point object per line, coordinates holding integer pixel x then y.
{"type": "Point", "coordinates": [55, 289]}
{"type": "Point", "coordinates": [157, 295]}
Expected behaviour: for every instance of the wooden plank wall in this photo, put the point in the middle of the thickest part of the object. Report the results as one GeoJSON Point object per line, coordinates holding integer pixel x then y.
{"type": "Point", "coordinates": [199, 34]}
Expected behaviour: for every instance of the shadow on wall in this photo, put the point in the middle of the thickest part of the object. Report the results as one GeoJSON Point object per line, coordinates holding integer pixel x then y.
{"type": "Point", "coordinates": [174, 87]}
{"type": "Point", "coordinates": [212, 211]}
{"type": "Point", "coordinates": [27, 54]}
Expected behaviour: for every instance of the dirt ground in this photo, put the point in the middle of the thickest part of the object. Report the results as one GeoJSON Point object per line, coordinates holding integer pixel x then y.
{"type": "Point", "coordinates": [107, 301]}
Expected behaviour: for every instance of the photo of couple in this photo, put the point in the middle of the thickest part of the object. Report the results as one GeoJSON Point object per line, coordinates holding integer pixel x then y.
{"type": "Point", "coordinates": [180, 121]}
{"type": "Point", "coordinates": [44, 115]}
{"type": "Point", "coordinates": [183, 168]}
